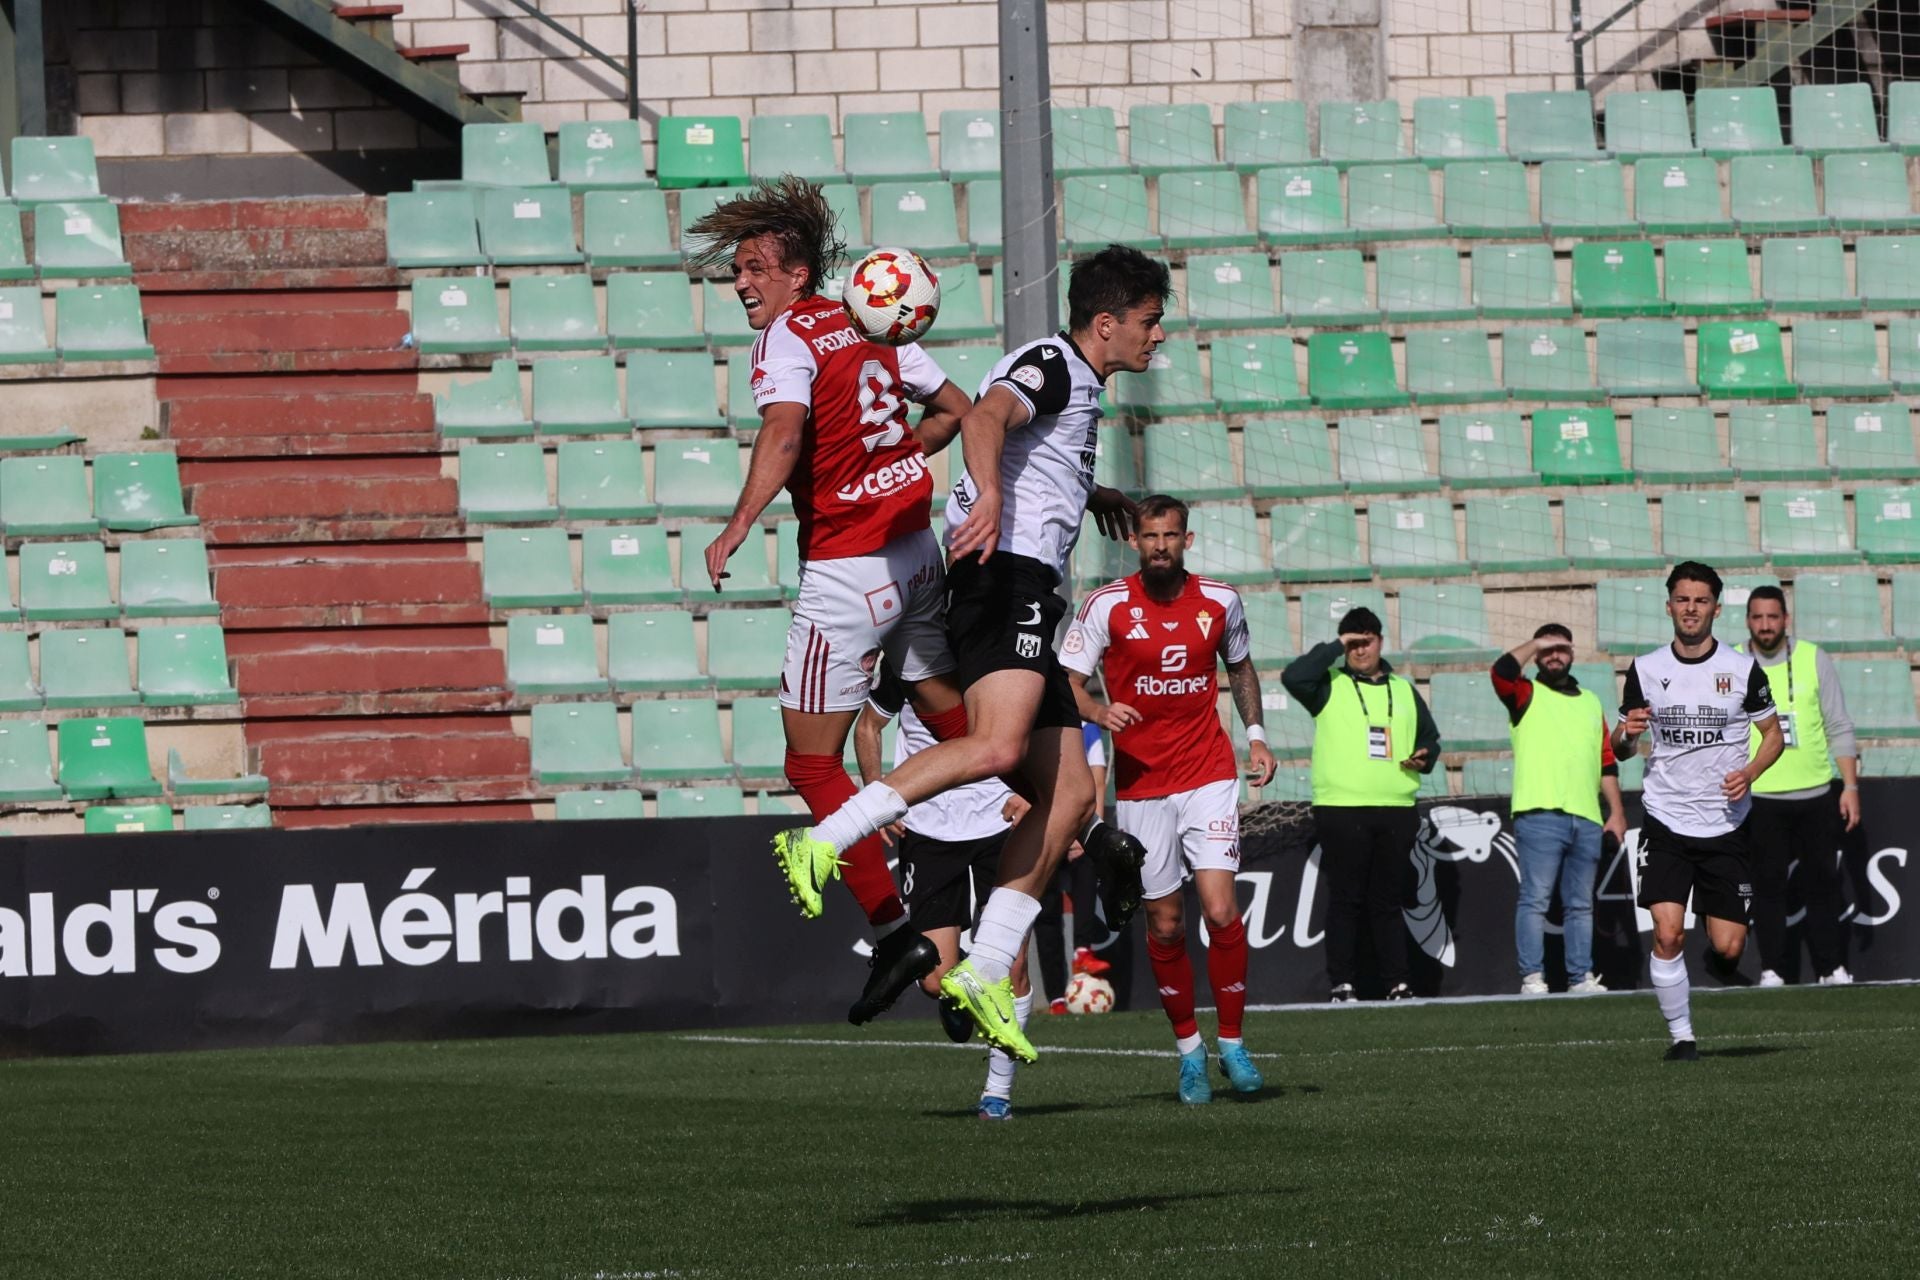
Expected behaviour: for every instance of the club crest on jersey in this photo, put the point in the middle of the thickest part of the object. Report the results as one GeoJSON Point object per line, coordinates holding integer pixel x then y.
{"type": "Point", "coordinates": [1205, 620]}
{"type": "Point", "coordinates": [1723, 684]}
{"type": "Point", "coordinates": [1137, 613]}
{"type": "Point", "coordinates": [1139, 631]}
{"type": "Point", "coordinates": [1027, 644]}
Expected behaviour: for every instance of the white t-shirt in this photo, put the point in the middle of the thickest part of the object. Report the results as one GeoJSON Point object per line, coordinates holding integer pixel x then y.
{"type": "Point", "coordinates": [1702, 710]}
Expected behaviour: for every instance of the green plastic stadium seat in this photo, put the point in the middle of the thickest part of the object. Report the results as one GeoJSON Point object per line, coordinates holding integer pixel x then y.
{"type": "Point", "coordinates": [887, 146]}
{"type": "Point", "coordinates": [1886, 528]}
{"type": "Point", "coordinates": [1260, 135]}
{"type": "Point", "coordinates": [998, 299]}
{"type": "Point", "coordinates": [1710, 277]}
{"type": "Point", "coordinates": [577, 742]}
{"type": "Point", "coordinates": [1163, 138]}
{"type": "Point", "coordinates": [1879, 695]}
{"type": "Point", "coordinates": [1114, 464]}
{"type": "Point", "coordinates": [79, 238]}
{"type": "Point", "coordinates": [1287, 458]}
{"type": "Point", "coordinates": [701, 802]}
{"type": "Point", "coordinates": [1317, 542]}
{"type": "Point", "coordinates": [1204, 209]}
{"type": "Point", "coordinates": [26, 763]}
{"type": "Point", "coordinates": [1192, 459]}
{"type": "Point", "coordinates": [23, 328]}
{"type": "Point", "coordinates": [64, 582]}
{"type": "Point", "coordinates": [528, 569]}
{"type": "Point", "coordinates": [1469, 717]}
{"type": "Point", "coordinates": [183, 666]}
{"type": "Point", "coordinates": [801, 145]}
{"type": "Point", "coordinates": [553, 653]}
{"type": "Point", "coordinates": [725, 319]}
{"type": "Point", "coordinates": [1601, 678]}
{"type": "Point", "coordinates": [1840, 611]}
{"type": "Point", "coordinates": [555, 313]}
{"type": "Point", "coordinates": [139, 492]}
{"type": "Point", "coordinates": [920, 214]}
{"type": "Point", "coordinates": [746, 647]}
{"type": "Point", "coordinates": [46, 497]}
{"type": "Point", "coordinates": [1086, 140]}
{"type": "Point", "coordinates": [1903, 116]}
{"type": "Point", "coordinates": [1773, 195]}
{"type": "Point", "coordinates": [627, 229]}
{"type": "Point", "coordinates": [1512, 533]}
{"type": "Point", "coordinates": [1321, 609]}
{"type": "Point", "coordinates": [1392, 202]}
{"type": "Point", "coordinates": [101, 322]}
{"type": "Point", "coordinates": [1326, 287]}
{"type": "Point", "coordinates": [1172, 384]}
{"type": "Point", "coordinates": [668, 389]}
{"type": "Point", "coordinates": [18, 692]}
{"type": "Point", "coordinates": [1270, 629]}
{"type": "Point", "coordinates": [1422, 284]}
{"type": "Point", "coordinates": [1679, 195]}
{"type": "Point", "coordinates": [1903, 352]}
{"type": "Point", "coordinates": [589, 806]}
{"type": "Point", "coordinates": [180, 783]}
{"type": "Point", "coordinates": [1484, 777]}
{"type": "Point", "coordinates": [1735, 122]}
{"type": "Point", "coordinates": [1230, 291]}
{"type": "Point", "coordinates": [1551, 126]}
{"type": "Point", "coordinates": [1871, 441]}
{"type": "Point", "coordinates": [1488, 199]}
{"type": "Point", "coordinates": [1352, 371]}
{"type": "Point", "coordinates": [1414, 538]}
{"type": "Point", "coordinates": [1888, 268]}
{"type": "Point", "coordinates": [1361, 133]}
{"type": "Point", "coordinates": [433, 229]}
{"type": "Point", "coordinates": [1107, 209]}
{"type": "Point", "coordinates": [1610, 531]}
{"type": "Point", "coordinates": [1445, 623]}
{"type": "Point", "coordinates": [1485, 451]}
{"type": "Point", "coordinates": [700, 151]}
{"type": "Point", "coordinates": [1742, 359]}
{"type": "Point", "coordinates": [1774, 442]}
{"type": "Point", "coordinates": [1633, 617]}
{"type": "Point", "coordinates": [126, 819]}
{"type": "Point", "coordinates": [1806, 274]}
{"type": "Point", "coordinates": [504, 155]}
{"type": "Point", "coordinates": [1585, 198]}
{"type": "Point", "coordinates": [1711, 526]}
{"type": "Point", "coordinates": [1648, 124]}
{"type": "Point", "coordinates": [962, 314]}
{"type": "Point", "coordinates": [695, 204]}
{"type": "Point", "coordinates": [527, 226]}
{"type": "Point", "coordinates": [503, 483]}
{"type": "Point", "coordinates": [1300, 204]}
{"type": "Point", "coordinates": [678, 739]}
{"type": "Point", "coordinates": [1868, 192]}
{"type": "Point", "coordinates": [967, 366]}
{"type": "Point", "coordinates": [1229, 544]}
{"type": "Point", "coordinates": [105, 757]}
{"type": "Point", "coordinates": [1517, 282]}
{"type": "Point", "coordinates": [54, 169]}
{"type": "Point", "coordinates": [651, 309]}
{"type": "Point", "coordinates": [603, 480]}
{"type": "Point", "coordinates": [1578, 446]}
{"type": "Point", "coordinates": [578, 396]}
{"type": "Point", "coordinates": [1643, 358]}
{"type": "Point", "coordinates": [224, 817]}
{"type": "Point", "coordinates": [165, 578]}
{"type": "Point", "coordinates": [970, 145]}
{"type": "Point", "coordinates": [1256, 374]}
{"type": "Point", "coordinates": [1838, 358]}
{"type": "Point", "coordinates": [1906, 607]}
{"type": "Point", "coordinates": [1889, 761]}
{"type": "Point", "coordinates": [1544, 363]}
{"type": "Point", "coordinates": [1617, 279]}
{"type": "Point", "coordinates": [654, 652]}
{"type": "Point", "coordinates": [751, 571]}
{"type": "Point", "coordinates": [1451, 366]}
{"type": "Point", "coordinates": [1834, 117]}
{"type": "Point", "coordinates": [627, 566]}
{"type": "Point", "coordinates": [602, 154]}
{"type": "Point", "coordinates": [759, 740]}
{"type": "Point", "coordinates": [1448, 129]}
{"type": "Point", "coordinates": [483, 407]}
{"type": "Point", "coordinates": [456, 315]}
{"type": "Point", "coordinates": [786, 554]}
{"type": "Point", "coordinates": [696, 477]}
{"type": "Point", "coordinates": [1678, 446]}
{"type": "Point", "coordinates": [87, 668]}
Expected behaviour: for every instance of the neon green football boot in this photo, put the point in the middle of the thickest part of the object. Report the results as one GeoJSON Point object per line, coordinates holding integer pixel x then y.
{"type": "Point", "coordinates": [808, 864]}
{"type": "Point", "coordinates": [990, 1005]}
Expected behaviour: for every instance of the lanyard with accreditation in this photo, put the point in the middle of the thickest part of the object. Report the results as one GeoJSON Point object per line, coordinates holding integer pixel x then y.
{"type": "Point", "coordinates": [1379, 736]}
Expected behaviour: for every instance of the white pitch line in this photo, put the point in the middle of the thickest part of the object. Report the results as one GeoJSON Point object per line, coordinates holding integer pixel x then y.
{"type": "Point", "coordinates": [1507, 998]}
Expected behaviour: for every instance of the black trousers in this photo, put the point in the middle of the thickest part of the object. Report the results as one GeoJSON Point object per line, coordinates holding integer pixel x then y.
{"type": "Point", "coordinates": [1074, 879]}
{"type": "Point", "coordinates": [1809, 831]}
{"type": "Point", "coordinates": [1366, 858]}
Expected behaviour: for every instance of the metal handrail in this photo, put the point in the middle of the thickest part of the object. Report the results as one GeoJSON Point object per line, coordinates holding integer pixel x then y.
{"type": "Point", "coordinates": [629, 71]}
{"type": "Point", "coordinates": [1580, 39]}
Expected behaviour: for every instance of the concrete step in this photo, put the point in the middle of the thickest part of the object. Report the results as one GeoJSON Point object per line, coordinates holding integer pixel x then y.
{"type": "Point", "coordinates": [352, 585]}
{"type": "Point", "coordinates": [384, 760]}
{"type": "Point", "coordinates": [272, 424]}
{"type": "Point", "coordinates": [364, 671]}
{"type": "Point", "coordinates": [322, 500]}
{"type": "Point", "coordinates": [328, 241]}
{"type": "Point", "coordinates": [299, 340]}
{"type": "Point", "coordinates": [346, 815]}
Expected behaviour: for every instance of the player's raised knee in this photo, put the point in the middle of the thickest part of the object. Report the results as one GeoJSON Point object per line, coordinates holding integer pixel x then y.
{"type": "Point", "coordinates": [1667, 942]}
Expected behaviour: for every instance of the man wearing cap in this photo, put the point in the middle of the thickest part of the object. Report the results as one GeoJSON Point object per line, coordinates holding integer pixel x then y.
{"type": "Point", "coordinates": [1372, 739]}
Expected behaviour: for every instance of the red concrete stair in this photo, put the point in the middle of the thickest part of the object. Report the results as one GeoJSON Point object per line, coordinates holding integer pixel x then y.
{"type": "Point", "coordinates": [272, 420]}
{"type": "Point", "coordinates": [368, 671]}
{"type": "Point", "coordinates": [341, 499]}
{"type": "Point", "coordinates": [279, 332]}
{"type": "Point", "coordinates": [315, 243]}
{"type": "Point", "coordinates": [347, 585]}
{"type": "Point", "coordinates": [372, 760]}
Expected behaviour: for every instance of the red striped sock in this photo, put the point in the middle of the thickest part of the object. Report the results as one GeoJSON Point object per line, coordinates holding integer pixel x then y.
{"type": "Point", "coordinates": [1227, 967]}
{"type": "Point", "coordinates": [823, 783]}
{"type": "Point", "coordinates": [1173, 973]}
{"type": "Point", "coordinates": [948, 724]}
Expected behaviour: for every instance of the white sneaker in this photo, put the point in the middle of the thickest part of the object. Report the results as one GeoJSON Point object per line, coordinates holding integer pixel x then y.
{"type": "Point", "coordinates": [1768, 978]}
{"type": "Point", "coordinates": [1589, 985]}
{"type": "Point", "coordinates": [1533, 984]}
{"type": "Point", "coordinates": [1838, 978]}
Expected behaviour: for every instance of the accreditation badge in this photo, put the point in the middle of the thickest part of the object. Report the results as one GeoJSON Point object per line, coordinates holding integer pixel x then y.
{"type": "Point", "coordinates": [1379, 742]}
{"type": "Point", "coordinates": [1786, 729]}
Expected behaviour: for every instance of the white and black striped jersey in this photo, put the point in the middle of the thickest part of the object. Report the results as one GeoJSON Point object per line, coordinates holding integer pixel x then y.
{"type": "Point", "coordinates": [1046, 466]}
{"type": "Point", "coordinates": [1702, 708]}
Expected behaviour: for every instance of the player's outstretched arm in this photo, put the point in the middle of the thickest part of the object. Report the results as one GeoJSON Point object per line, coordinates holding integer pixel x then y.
{"type": "Point", "coordinates": [941, 422]}
{"type": "Point", "coordinates": [776, 450]}
{"type": "Point", "coordinates": [1244, 681]}
{"type": "Point", "coordinates": [983, 434]}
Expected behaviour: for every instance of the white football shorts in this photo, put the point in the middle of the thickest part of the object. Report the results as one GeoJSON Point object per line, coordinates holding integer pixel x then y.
{"type": "Point", "coordinates": [853, 609]}
{"type": "Point", "coordinates": [1197, 829]}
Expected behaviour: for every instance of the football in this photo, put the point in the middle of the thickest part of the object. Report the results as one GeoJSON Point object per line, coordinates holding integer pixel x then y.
{"type": "Point", "coordinates": [1088, 994]}
{"type": "Point", "coordinates": [892, 296]}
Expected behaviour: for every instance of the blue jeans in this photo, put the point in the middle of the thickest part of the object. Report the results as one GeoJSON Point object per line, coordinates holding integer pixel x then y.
{"type": "Point", "coordinates": [1552, 845]}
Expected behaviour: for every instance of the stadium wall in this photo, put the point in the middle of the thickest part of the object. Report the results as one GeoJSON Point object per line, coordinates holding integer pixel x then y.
{"type": "Point", "coordinates": [243, 938]}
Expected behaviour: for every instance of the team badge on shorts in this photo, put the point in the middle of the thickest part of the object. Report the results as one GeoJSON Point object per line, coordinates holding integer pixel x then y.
{"type": "Point", "coordinates": [1027, 644]}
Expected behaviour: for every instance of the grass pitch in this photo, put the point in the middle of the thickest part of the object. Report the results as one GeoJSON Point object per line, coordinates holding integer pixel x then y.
{"type": "Point", "coordinates": [1477, 1139]}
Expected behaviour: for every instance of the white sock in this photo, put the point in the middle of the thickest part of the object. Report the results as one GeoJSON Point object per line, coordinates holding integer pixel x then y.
{"type": "Point", "coordinates": [1671, 989]}
{"type": "Point", "coordinates": [999, 1065]}
{"type": "Point", "coordinates": [1229, 1042]}
{"type": "Point", "coordinates": [882, 930]}
{"type": "Point", "coordinates": [1005, 922]}
{"type": "Point", "coordinates": [1185, 1045]}
{"type": "Point", "coordinates": [872, 807]}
